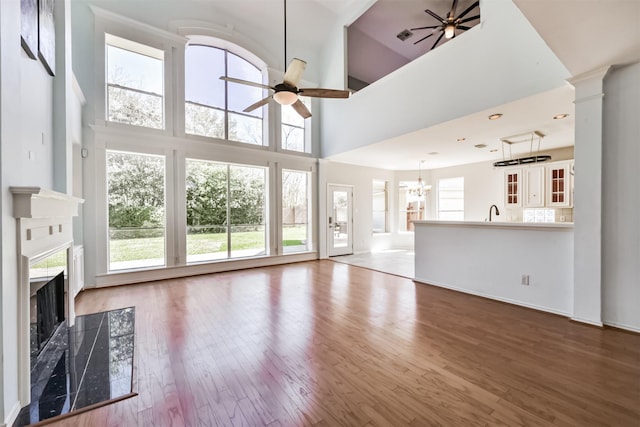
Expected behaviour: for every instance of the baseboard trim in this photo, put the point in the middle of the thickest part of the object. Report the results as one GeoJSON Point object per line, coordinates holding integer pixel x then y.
{"type": "Point", "coordinates": [13, 415]}
{"type": "Point", "coordinates": [493, 297]}
{"type": "Point", "coordinates": [587, 321]}
{"type": "Point", "coordinates": [623, 326]}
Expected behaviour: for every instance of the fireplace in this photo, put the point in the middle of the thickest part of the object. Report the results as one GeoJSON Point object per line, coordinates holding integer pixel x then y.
{"type": "Point", "coordinates": [45, 272]}
{"type": "Point", "coordinates": [47, 310]}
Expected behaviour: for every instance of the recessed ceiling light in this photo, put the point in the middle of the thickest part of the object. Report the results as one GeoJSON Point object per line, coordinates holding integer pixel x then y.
{"type": "Point", "coordinates": [433, 153]}
{"type": "Point", "coordinates": [495, 116]}
{"type": "Point", "coordinates": [461, 139]}
{"type": "Point", "coordinates": [480, 145]}
{"type": "Point", "coordinates": [493, 151]}
{"type": "Point", "coordinates": [560, 116]}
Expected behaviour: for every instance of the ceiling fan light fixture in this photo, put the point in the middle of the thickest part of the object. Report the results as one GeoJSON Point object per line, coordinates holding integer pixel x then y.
{"type": "Point", "coordinates": [449, 31]}
{"type": "Point", "coordinates": [285, 97]}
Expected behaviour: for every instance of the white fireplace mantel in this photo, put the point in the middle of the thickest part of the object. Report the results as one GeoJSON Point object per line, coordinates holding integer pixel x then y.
{"type": "Point", "coordinates": [36, 202]}
{"type": "Point", "coordinates": [44, 220]}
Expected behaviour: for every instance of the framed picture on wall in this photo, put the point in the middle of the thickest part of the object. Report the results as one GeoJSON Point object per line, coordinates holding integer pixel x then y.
{"type": "Point", "coordinates": [47, 36]}
{"type": "Point", "coordinates": [29, 27]}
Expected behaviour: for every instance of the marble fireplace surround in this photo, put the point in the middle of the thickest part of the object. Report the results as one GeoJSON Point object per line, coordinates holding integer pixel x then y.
{"type": "Point", "coordinates": [44, 226]}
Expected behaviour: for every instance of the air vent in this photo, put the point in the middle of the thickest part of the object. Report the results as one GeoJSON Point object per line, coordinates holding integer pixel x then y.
{"type": "Point", "coordinates": [404, 34]}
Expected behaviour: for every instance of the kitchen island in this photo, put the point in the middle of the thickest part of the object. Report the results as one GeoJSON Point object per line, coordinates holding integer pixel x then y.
{"type": "Point", "coordinates": [529, 264]}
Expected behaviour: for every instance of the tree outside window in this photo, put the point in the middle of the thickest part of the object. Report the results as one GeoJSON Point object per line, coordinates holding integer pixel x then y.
{"type": "Point", "coordinates": [214, 107]}
{"type": "Point", "coordinates": [135, 83]}
{"type": "Point", "coordinates": [295, 211]}
{"type": "Point", "coordinates": [136, 199]}
{"type": "Point", "coordinates": [225, 210]}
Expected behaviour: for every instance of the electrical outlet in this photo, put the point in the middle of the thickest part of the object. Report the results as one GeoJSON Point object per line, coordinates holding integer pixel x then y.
{"type": "Point", "coordinates": [524, 280]}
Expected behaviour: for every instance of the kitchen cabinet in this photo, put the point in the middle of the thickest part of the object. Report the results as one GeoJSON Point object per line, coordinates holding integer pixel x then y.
{"type": "Point", "coordinates": [534, 187]}
{"type": "Point", "coordinates": [559, 184]}
{"type": "Point", "coordinates": [513, 188]}
{"type": "Point", "coordinates": [539, 186]}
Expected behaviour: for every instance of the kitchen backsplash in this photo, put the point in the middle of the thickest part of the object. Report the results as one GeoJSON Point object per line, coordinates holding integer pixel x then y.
{"type": "Point", "coordinates": [539, 215]}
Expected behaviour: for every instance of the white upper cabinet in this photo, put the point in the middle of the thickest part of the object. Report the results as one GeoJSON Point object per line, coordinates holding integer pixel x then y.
{"type": "Point", "coordinates": [534, 185]}
{"type": "Point", "coordinates": [539, 186]}
{"type": "Point", "coordinates": [559, 184]}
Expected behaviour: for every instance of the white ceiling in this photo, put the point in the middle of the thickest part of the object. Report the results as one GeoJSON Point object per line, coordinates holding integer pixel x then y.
{"type": "Point", "coordinates": [526, 115]}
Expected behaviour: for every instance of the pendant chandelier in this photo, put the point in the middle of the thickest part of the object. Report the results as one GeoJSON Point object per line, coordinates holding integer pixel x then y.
{"type": "Point", "coordinates": [418, 190]}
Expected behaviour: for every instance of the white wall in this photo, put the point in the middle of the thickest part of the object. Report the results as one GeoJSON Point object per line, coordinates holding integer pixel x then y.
{"type": "Point", "coordinates": [508, 61]}
{"type": "Point", "coordinates": [489, 260]}
{"type": "Point", "coordinates": [25, 127]}
{"type": "Point", "coordinates": [621, 199]}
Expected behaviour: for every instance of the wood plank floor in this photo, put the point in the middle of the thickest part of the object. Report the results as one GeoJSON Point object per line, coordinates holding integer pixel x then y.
{"type": "Point", "coordinates": [328, 344]}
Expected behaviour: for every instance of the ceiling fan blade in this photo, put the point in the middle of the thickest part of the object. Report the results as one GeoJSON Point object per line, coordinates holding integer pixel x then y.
{"type": "Point", "coordinates": [435, 16]}
{"type": "Point", "coordinates": [468, 19]}
{"type": "Point", "coordinates": [469, 9]}
{"type": "Point", "coordinates": [462, 27]}
{"type": "Point", "coordinates": [258, 104]}
{"type": "Point", "coordinates": [294, 72]}
{"type": "Point", "coordinates": [425, 28]}
{"type": "Point", "coordinates": [245, 82]}
{"type": "Point", "coordinates": [324, 93]}
{"type": "Point", "coordinates": [424, 38]}
{"type": "Point", "coordinates": [437, 41]}
{"type": "Point", "coordinates": [453, 9]}
{"type": "Point", "coordinates": [301, 109]}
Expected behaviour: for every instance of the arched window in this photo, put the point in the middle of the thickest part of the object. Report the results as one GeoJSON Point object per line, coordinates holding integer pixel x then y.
{"type": "Point", "coordinates": [213, 107]}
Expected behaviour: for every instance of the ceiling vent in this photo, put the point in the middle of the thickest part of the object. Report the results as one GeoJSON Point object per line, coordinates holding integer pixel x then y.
{"type": "Point", "coordinates": [404, 34]}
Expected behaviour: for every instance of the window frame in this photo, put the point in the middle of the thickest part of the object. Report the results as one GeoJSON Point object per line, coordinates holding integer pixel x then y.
{"type": "Point", "coordinates": [306, 130]}
{"type": "Point", "coordinates": [440, 210]}
{"type": "Point", "coordinates": [310, 207]}
{"type": "Point", "coordinates": [228, 47]}
{"type": "Point", "coordinates": [171, 44]}
{"type": "Point", "coordinates": [385, 191]}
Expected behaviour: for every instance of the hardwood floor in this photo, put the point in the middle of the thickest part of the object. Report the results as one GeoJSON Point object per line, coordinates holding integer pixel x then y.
{"type": "Point", "coordinates": [328, 344]}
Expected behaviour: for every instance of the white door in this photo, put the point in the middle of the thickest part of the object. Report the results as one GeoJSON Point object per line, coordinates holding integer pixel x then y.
{"type": "Point", "coordinates": [340, 218]}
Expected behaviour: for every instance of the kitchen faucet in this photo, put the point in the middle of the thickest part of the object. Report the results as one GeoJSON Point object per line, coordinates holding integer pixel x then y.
{"type": "Point", "coordinates": [490, 210]}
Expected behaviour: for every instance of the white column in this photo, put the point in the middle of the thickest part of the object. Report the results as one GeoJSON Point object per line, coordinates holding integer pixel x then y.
{"type": "Point", "coordinates": [587, 288]}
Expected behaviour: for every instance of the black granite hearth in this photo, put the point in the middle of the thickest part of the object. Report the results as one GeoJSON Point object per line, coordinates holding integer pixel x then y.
{"type": "Point", "coordinates": [81, 367]}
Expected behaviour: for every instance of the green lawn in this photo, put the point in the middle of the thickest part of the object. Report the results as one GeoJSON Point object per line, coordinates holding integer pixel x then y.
{"type": "Point", "coordinates": [153, 247]}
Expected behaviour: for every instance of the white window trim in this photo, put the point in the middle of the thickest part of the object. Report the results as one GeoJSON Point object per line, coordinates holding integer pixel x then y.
{"type": "Point", "coordinates": [172, 45]}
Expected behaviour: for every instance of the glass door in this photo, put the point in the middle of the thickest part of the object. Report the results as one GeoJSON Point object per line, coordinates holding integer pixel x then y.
{"type": "Point", "coordinates": [340, 220]}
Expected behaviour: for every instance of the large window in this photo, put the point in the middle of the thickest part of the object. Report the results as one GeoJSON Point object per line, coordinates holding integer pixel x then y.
{"type": "Point", "coordinates": [380, 206]}
{"type": "Point", "coordinates": [135, 83]}
{"type": "Point", "coordinates": [451, 199]}
{"type": "Point", "coordinates": [411, 204]}
{"type": "Point", "coordinates": [225, 211]}
{"type": "Point", "coordinates": [214, 107]}
{"type": "Point", "coordinates": [135, 186]}
{"type": "Point", "coordinates": [296, 195]}
{"type": "Point", "coordinates": [293, 128]}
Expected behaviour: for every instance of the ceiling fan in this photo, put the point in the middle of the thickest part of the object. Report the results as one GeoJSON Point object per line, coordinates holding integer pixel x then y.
{"type": "Point", "coordinates": [287, 92]}
{"type": "Point", "coordinates": [450, 24]}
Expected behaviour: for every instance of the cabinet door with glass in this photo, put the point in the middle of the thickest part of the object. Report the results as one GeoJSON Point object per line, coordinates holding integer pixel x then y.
{"type": "Point", "coordinates": [513, 188]}
{"type": "Point", "coordinates": [559, 185]}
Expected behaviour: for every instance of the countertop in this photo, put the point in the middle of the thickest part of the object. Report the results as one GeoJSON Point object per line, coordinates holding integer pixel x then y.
{"type": "Point", "coordinates": [500, 224]}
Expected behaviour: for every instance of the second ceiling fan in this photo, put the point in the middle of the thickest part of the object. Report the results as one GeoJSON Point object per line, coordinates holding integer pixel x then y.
{"type": "Point", "coordinates": [287, 92]}
{"type": "Point", "coordinates": [450, 24]}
